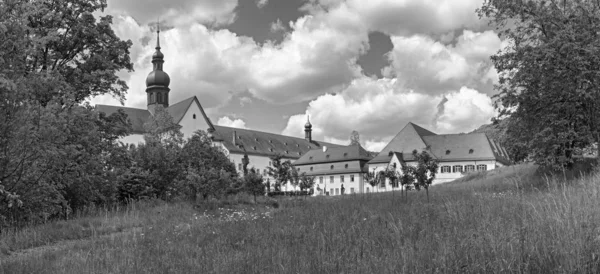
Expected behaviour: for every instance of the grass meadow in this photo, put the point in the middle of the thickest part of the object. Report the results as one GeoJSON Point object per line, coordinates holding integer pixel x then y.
{"type": "Point", "coordinates": [509, 220]}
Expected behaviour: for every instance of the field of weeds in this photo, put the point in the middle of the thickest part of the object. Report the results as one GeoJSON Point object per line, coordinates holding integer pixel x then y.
{"type": "Point", "coordinates": [498, 222]}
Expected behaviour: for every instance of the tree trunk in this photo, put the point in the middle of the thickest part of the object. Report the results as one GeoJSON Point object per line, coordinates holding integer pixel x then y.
{"type": "Point", "coordinates": [427, 191]}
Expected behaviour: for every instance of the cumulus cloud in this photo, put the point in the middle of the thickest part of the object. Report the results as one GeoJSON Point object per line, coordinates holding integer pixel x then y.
{"type": "Point", "coordinates": [177, 12]}
{"type": "Point", "coordinates": [228, 122]}
{"type": "Point", "coordinates": [261, 3]}
{"type": "Point", "coordinates": [464, 111]}
{"type": "Point", "coordinates": [277, 26]}
{"type": "Point", "coordinates": [432, 67]}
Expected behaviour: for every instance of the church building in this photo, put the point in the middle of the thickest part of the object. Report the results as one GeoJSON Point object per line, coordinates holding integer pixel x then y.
{"type": "Point", "coordinates": [189, 114]}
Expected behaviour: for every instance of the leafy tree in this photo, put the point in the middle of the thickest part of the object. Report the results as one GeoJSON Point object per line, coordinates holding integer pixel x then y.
{"type": "Point", "coordinates": [295, 177]}
{"type": "Point", "coordinates": [548, 76]}
{"type": "Point", "coordinates": [245, 162]}
{"type": "Point", "coordinates": [306, 182]}
{"type": "Point", "coordinates": [279, 171]}
{"type": "Point", "coordinates": [407, 178]}
{"type": "Point", "coordinates": [253, 183]}
{"type": "Point", "coordinates": [425, 171]}
{"type": "Point", "coordinates": [372, 178]}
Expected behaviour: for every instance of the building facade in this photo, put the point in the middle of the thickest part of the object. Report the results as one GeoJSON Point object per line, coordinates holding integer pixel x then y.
{"type": "Point", "coordinates": [337, 170]}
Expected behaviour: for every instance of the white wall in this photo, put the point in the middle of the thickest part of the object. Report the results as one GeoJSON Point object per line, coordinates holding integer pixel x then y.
{"type": "Point", "coordinates": [447, 177]}
{"type": "Point", "coordinates": [335, 187]}
{"type": "Point", "coordinates": [189, 125]}
{"type": "Point", "coordinates": [133, 139]}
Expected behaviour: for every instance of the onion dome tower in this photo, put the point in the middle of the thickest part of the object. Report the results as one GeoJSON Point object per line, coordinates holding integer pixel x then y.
{"type": "Point", "coordinates": [308, 130]}
{"type": "Point", "coordinates": [157, 82]}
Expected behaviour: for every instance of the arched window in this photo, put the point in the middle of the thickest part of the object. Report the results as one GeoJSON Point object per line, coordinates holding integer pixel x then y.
{"type": "Point", "coordinates": [457, 169]}
{"type": "Point", "coordinates": [481, 167]}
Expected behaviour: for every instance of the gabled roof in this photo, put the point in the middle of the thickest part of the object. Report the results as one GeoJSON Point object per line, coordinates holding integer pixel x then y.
{"type": "Point", "coordinates": [139, 117]}
{"type": "Point", "coordinates": [464, 147]}
{"type": "Point", "coordinates": [407, 140]}
{"type": "Point", "coordinates": [136, 116]}
{"type": "Point", "coordinates": [335, 154]}
{"type": "Point", "coordinates": [255, 142]}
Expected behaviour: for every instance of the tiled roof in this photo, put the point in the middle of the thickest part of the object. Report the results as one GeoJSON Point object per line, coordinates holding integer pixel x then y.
{"type": "Point", "coordinates": [460, 147]}
{"type": "Point", "coordinates": [363, 168]}
{"type": "Point", "coordinates": [136, 116]}
{"type": "Point", "coordinates": [407, 140]}
{"type": "Point", "coordinates": [255, 142]}
{"type": "Point", "coordinates": [335, 154]}
{"type": "Point", "coordinates": [139, 116]}
{"type": "Point", "coordinates": [464, 147]}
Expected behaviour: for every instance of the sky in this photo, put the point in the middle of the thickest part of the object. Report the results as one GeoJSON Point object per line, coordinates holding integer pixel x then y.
{"type": "Point", "coordinates": [370, 66]}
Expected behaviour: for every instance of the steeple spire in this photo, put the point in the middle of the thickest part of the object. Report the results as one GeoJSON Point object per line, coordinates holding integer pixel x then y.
{"type": "Point", "coordinates": [157, 82]}
{"type": "Point", "coordinates": [157, 35]}
{"type": "Point", "coordinates": [308, 129]}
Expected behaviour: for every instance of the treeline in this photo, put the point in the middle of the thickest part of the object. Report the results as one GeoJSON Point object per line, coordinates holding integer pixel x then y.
{"type": "Point", "coordinates": [57, 154]}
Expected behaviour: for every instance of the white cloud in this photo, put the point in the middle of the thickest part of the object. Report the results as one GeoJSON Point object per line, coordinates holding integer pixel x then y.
{"type": "Point", "coordinates": [465, 111]}
{"type": "Point", "coordinates": [177, 12]}
{"type": "Point", "coordinates": [261, 3]}
{"type": "Point", "coordinates": [228, 122]}
{"type": "Point", "coordinates": [277, 26]}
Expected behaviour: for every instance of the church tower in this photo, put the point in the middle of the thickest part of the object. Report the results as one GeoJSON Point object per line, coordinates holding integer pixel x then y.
{"type": "Point", "coordinates": [157, 82]}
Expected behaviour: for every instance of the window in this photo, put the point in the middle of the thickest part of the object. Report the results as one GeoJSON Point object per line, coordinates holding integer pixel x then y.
{"type": "Point", "coordinates": [254, 148]}
{"type": "Point", "coordinates": [471, 151]}
{"type": "Point", "coordinates": [331, 179]}
{"type": "Point", "coordinates": [447, 152]}
{"type": "Point", "coordinates": [327, 156]}
{"type": "Point", "coordinates": [321, 180]}
{"type": "Point", "coordinates": [457, 169]}
{"type": "Point", "coordinates": [342, 178]}
{"type": "Point", "coordinates": [310, 158]}
{"type": "Point", "coordinates": [287, 152]}
{"type": "Point", "coordinates": [351, 190]}
{"type": "Point", "coordinates": [481, 167]}
{"type": "Point", "coordinates": [351, 178]}
{"type": "Point", "coordinates": [285, 143]}
{"type": "Point", "coordinates": [445, 169]}
{"type": "Point", "coordinates": [469, 168]}
{"type": "Point", "coordinates": [311, 168]}
{"type": "Point", "coordinates": [394, 165]}
{"type": "Point", "coordinates": [194, 116]}
{"type": "Point", "coordinates": [337, 191]}
{"type": "Point", "coordinates": [346, 166]}
{"type": "Point", "coordinates": [331, 167]}
{"type": "Point", "coordinates": [297, 145]}
{"type": "Point", "coordinates": [331, 191]}
{"type": "Point", "coordinates": [345, 154]}
{"type": "Point", "coordinates": [271, 149]}
{"type": "Point", "coordinates": [240, 166]}
{"type": "Point", "coordinates": [271, 141]}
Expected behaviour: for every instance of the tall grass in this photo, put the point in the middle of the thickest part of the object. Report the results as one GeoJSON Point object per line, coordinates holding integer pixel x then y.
{"type": "Point", "coordinates": [500, 223]}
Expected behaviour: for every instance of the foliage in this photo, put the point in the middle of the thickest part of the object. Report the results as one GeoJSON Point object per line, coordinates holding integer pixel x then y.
{"type": "Point", "coordinates": [407, 178]}
{"type": "Point", "coordinates": [549, 76]}
{"type": "Point", "coordinates": [306, 182]}
{"type": "Point", "coordinates": [372, 178]}
{"type": "Point", "coordinates": [425, 171]}
{"type": "Point", "coordinates": [279, 171]}
{"type": "Point", "coordinates": [253, 183]}
{"type": "Point", "coordinates": [294, 176]}
{"type": "Point", "coordinates": [245, 162]}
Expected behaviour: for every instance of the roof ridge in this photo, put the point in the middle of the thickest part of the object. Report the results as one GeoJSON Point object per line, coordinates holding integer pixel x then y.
{"type": "Point", "coordinates": [103, 105]}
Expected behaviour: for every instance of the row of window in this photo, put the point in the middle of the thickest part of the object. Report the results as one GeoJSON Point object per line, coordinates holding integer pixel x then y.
{"type": "Point", "coordinates": [331, 167]}
{"type": "Point", "coordinates": [342, 179]}
{"type": "Point", "coordinates": [337, 191]}
{"type": "Point", "coordinates": [461, 169]}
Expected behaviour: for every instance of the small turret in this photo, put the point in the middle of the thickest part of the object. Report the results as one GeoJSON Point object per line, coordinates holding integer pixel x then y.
{"type": "Point", "coordinates": [308, 130]}
{"type": "Point", "coordinates": [157, 82]}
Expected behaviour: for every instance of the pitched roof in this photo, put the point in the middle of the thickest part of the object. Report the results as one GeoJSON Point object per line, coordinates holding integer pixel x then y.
{"type": "Point", "coordinates": [407, 140]}
{"type": "Point", "coordinates": [335, 154]}
{"type": "Point", "coordinates": [464, 147]}
{"type": "Point", "coordinates": [136, 116]}
{"type": "Point", "coordinates": [255, 142]}
{"type": "Point", "coordinates": [139, 116]}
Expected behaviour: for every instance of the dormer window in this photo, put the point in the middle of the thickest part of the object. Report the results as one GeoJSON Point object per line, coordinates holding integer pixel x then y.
{"type": "Point", "coordinates": [327, 156]}
{"type": "Point", "coordinates": [285, 144]}
{"type": "Point", "coordinates": [331, 167]}
{"type": "Point", "coordinates": [470, 151]}
{"type": "Point", "coordinates": [297, 145]}
{"type": "Point", "coordinates": [345, 154]}
{"type": "Point", "coordinates": [299, 153]}
{"type": "Point", "coordinates": [271, 141]}
{"type": "Point", "coordinates": [254, 148]}
{"type": "Point", "coordinates": [310, 158]}
{"type": "Point", "coordinates": [447, 152]}
{"type": "Point", "coordinates": [256, 139]}
{"type": "Point", "coordinates": [239, 137]}
{"type": "Point", "coordinates": [271, 149]}
{"type": "Point", "coordinates": [287, 152]}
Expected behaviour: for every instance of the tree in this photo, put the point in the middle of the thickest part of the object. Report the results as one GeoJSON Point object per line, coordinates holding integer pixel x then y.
{"type": "Point", "coordinates": [354, 138]}
{"type": "Point", "coordinates": [548, 76]}
{"type": "Point", "coordinates": [245, 163]}
{"type": "Point", "coordinates": [372, 178]}
{"type": "Point", "coordinates": [306, 182]}
{"type": "Point", "coordinates": [425, 171]}
{"type": "Point", "coordinates": [407, 178]}
{"type": "Point", "coordinates": [253, 183]}
{"type": "Point", "coordinates": [294, 176]}
{"type": "Point", "coordinates": [279, 171]}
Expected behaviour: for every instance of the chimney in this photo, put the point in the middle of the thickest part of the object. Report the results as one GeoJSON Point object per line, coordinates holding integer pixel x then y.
{"type": "Point", "coordinates": [324, 148]}
{"type": "Point", "coordinates": [234, 138]}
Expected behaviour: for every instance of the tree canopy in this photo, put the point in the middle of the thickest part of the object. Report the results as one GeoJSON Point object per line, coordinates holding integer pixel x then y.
{"type": "Point", "coordinates": [548, 76]}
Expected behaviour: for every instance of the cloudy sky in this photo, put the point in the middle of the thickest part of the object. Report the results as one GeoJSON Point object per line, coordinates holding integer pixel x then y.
{"type": "Point", "coordinates": [370, 66]}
